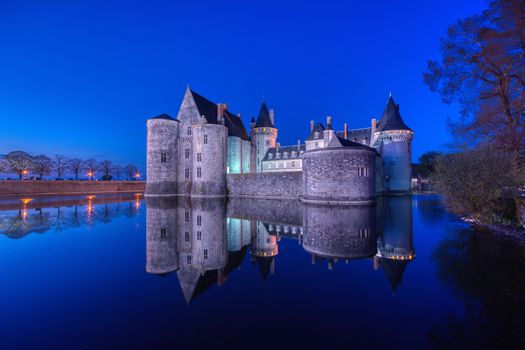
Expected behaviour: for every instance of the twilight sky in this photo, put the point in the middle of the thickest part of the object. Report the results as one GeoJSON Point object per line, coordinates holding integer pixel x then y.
{"type": "Point", "coordinates": [80, 78]}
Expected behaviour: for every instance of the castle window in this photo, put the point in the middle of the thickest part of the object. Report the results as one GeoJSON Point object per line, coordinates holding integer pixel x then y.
{"type": "Point", "coordinates": [205, 253]}
{"type": "Point", "coordinates": [163, 157]}
{"type": "Point", "coordinates": [293, 164]}
{"type": "Point", "coordinates": [364, 233]}
{"type": "Point", "coordinates": [269, 165]}
{"type": "Point", "coordinates": [294, 154]}
{"type": "Point", "coordinates": [188, 130]}
{"type": "Point", "coordinates": [205, 139]}
{"type": "Point", "coordinates": [199, 157]}
{"type": "Point", "coordinates": [187, 216]}
{"type": "Point", "coordinates": [199, 172]}
{"type": "Point", "coordinates": [270, 155]}
{"type": "Point", "coordinates": [186, 236]}
{"type": "Point", "coordinates": [199, 220]}
{"type": "Point", "coordinates": [188, 259]}
{"type": "Point", "coordinates": [267, 240]}
{"type": "Point", "coordinates": [163, 233]}
{"type": "Point", "coordinates": [187, 153]}
{"type": "Point", "coordinates": [285, 155]}
{"type": "Point", "coordinates": [199, 235]}
{"type": "Point", "coordinates": [362, 171]}
{"type": "Point", "coordinates": [186, 173]}
{"type": "Point", "coordinates": [267, 142]}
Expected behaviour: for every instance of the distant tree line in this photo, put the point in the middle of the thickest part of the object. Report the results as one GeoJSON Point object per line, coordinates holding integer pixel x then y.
{"type": "Point", "coordinates": [482, 69]}
{"type": "Point", "coordinates": [59, 167]}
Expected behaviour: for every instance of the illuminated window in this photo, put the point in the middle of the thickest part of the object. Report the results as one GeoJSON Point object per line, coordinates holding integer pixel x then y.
{"type": "Point", "coordinates": [163, 157]}
{"type": "Point", "coordinates": [163, 233]}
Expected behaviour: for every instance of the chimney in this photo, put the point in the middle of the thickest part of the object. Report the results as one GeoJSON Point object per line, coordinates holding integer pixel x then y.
{"type": "Point", "coordinates": [272, 116]}
{"type": "Point", "coordinates": [252, 123]}
{"type": "Point", "coordinates": [345, 131]}
{"type": "Point", "coordinates": [312, 125]}
{"type": "Point", "coordinates": [329, 122]}
{"type": "Point", "coordinates": [374, 125]}
{"type": "Point", "coordinates": [299, 145]}
{"type": "Point", "coordinates": [221, 107]}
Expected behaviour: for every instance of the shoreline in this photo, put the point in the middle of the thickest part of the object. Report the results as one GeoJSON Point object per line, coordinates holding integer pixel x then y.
{"type": "Point", "coordinates": [512, 233]}
{"type": "Point", "coordinates": [13, 188]}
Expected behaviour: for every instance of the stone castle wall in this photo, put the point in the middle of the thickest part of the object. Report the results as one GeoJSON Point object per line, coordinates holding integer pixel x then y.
{"type": "Point", "coordinates": [162, 139]}
{"type": "Point", "coordinates": [331, 175]}
{"type": "Point", "coordinates": [266, 185]}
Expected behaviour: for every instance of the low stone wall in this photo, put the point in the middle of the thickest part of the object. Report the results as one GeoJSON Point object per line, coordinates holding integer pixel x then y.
{"type": "Point", "coordinates": [266, 185]}
{"type": "Point", "coordinates": [30, 187]}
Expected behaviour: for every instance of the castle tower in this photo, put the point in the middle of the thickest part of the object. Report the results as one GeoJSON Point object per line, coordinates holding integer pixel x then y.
{"type": "Point", "coordinates": [161, 155]}
{"type": "Point", "coordinates": [393, 139]}
{"type": "Point", "coordinates": [263, 134]}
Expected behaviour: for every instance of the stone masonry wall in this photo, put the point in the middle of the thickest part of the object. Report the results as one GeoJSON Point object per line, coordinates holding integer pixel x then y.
{"type": "Point", "coordinates": [266, 185]}
{"type": "Point", "coordinates": [28, 187]}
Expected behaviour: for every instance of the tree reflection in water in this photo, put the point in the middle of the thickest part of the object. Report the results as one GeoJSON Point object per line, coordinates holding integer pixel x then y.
{"type": "Point", "coordinates": [487, 274]}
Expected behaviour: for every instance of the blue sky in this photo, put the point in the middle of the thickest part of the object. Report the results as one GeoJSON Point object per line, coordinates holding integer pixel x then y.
{"type": "Point", "coordinates": [80, 78]}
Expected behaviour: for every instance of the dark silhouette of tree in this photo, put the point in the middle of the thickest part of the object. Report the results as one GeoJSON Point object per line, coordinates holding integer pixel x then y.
{"type": "Point", "coordinates": [76, 166]}
{"type": "Point", "coordinates": [91, 167]}
{"type": "Point", "coordinates": [427, 163]}
{"type": "Point", "coordinates": [130, 170]}
{"type": "Point", "coordinates": [117, 170]}
{"type": "Point", "coordinates": [18, 162]}
{"type": "Point", "coordinates": [60, 165]}
{"type": "Point", "coordinates": [106, 166]}
{"type": "Point", "coordinates": [483, 69]}
{"type": "Point", "coordinates": [41, 165]}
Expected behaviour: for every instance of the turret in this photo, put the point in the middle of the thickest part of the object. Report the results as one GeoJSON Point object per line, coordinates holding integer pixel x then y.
{"type": "Point", "coordinates": [393, 138]}
{"type": "Point", "coordinates": [161, 155]}
{"type": "Point", "coordinates": [264, 135]}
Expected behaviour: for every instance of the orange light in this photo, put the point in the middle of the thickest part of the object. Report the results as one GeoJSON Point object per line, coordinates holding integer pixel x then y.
{"type": "Point", "coordinates": [90, 197]}
{"type": "Point", "coordinates": [26, 201]}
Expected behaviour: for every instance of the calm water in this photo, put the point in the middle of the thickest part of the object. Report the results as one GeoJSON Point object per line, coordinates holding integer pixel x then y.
{"type": "Point", "coordinates": [122, 273]}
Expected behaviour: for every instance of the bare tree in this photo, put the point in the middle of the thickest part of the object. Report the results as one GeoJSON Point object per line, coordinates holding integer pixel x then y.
{"type": "Point", "coordinates": [18, 162]}
{"type": "Point", "coordinates": [60, 165]}
{"type": "Point", "coordinates": [130, 170]}
{"type": "Point", "coordinates": [117, 170]}
{"type": "Point", "coordinates": [76, 166]}
{"type": "Point", "coordinates": [106, 166]}
{"type": "Point", "coordinates": [91, 167]}
{"type": "Point", "coordinates": [482, 67]}
{"type": "Point", "coordinates": [41, 165]}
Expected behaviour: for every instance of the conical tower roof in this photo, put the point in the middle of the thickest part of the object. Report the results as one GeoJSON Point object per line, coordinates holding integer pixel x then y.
{"type": "Point", "coordinates": [393, 270]}
{"type": "Point", "coordinates": [263, 120]}
{"type": "Point", "coordinates": [391, 119]}
{"type": "Point", "coordinates": [188, 279]}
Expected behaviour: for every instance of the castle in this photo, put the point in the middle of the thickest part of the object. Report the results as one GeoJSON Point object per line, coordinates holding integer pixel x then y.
{"type": "Point", "coordinates": [207, 152]}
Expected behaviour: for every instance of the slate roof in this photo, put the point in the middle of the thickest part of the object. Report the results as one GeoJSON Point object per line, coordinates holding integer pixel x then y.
{"type": "Point", "coordinates": [357, 135]}
{"type": "Point", "coordinates": [282, 149]}
{"type": "Point", "coordinates": [209, 110]}
{"type": "Point", "coordinates": [391, 119]}
{"type": "Point", "coordinates": [164, 116]}
{"type": "Point", "coordinates": [263, 120]}
{"type": "Point", "coordinates": [319, 128]}
{"type": "Point", "coordinates": [393, 270]}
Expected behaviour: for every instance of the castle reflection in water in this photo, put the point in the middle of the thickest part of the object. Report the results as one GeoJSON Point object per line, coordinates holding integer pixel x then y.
{"type": "Point", "coordinates": [203, 240]}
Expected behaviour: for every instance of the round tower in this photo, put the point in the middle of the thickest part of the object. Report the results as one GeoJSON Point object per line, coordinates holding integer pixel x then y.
{"type": "Point", "coordinates": [161, 156]}
{"type": "Point", "coordinates": [210, 153]}
{"type": "Point", "coordinates": [340, 175]}
{"type": "Point", "coordinates": [393, 139]}
{"type": "Point", "coordinates": [263, 134]}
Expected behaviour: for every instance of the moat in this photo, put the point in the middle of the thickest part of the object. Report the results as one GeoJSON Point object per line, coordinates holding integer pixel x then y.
{"type": "Point", "coordinates": [122, 272]}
